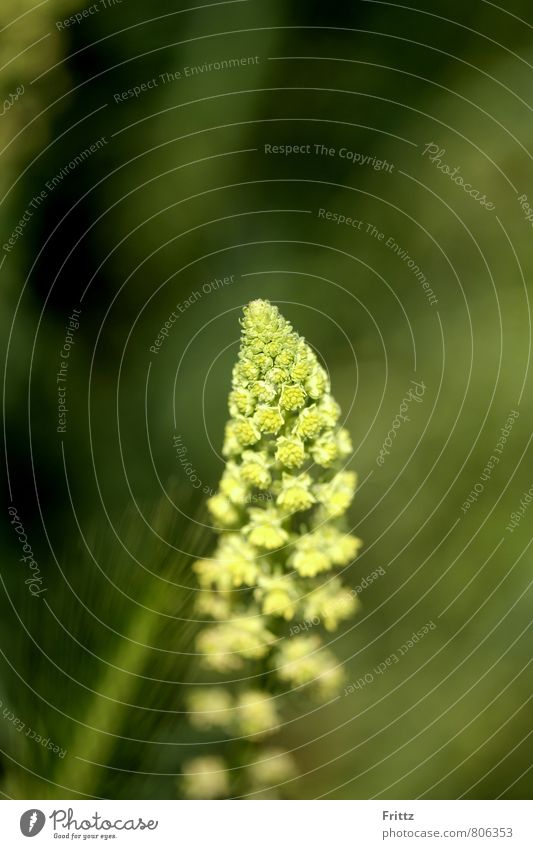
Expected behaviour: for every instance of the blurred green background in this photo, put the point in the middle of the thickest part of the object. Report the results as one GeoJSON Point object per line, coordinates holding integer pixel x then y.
{"type": "Point", "coordinates": [181, 193]}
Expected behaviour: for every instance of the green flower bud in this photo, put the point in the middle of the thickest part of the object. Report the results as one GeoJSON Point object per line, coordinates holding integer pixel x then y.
{"type": "Point", "coordinates": [256, 346]}
{"type": "Point", "coordinates": [277, 375]}
{"type": "Point", "coordinates": [336, 495]}
{"type": "Point", "coordinates": [241, 401]}
{"type": "Point", "coordinates": [274, 348]}
{"type": "Point", "coordinates": [232, 447]}
{"type": "Point", "coordinates": [330, 679]}
{"type": "Point", "coordinates": [210, 574]}
{"type": "Point", "coordinates": [329, 411]}
{"type": "Point", "coordinates": [232, 484]}
{"type": "Point", "coordinates": [292, 397]}
{"type": "Point", "coordinates": [278, 596]}
{"type": "Point", "coordinates": [210, 707]}
{"type": "Point", "coordinates": [331, 604]}
{"type": "Point", "coordinates": [344, 442]}
{"type": "Point", "coordinates": [265, 529]}
{"type": "Point", "coordinates": [256, 714]}
{"type": "Point", "coordinates": [215, 605]}
{"type": "Point", "coordinates": [342, 548]}
{"type": "Point", "coordinates": [301, 369]}
{"type": "Point", "coordinates": [239, 559]}
{"type": "Point", "coordinates": [264, 391]}
{"type": "Point", "coordinates": [205, 778]}
{"type": "Point", "coordinates": [264, 362]}
{"type": "Point", "coordinates": [268, 419]}
{"type": "Point", "coordinates": [274, 767]}
{"type": "Point", "coordinates": [290, 451]}
{"type": "Point", "coordinates": [223, 511]}
{"type": "Point", "coordinates": [309, 423]}
{"type": "Point", "coordinates": [295, 493]}
{"type": "Point", "coordinates": [317, 383]}
{"type": "Point", "coordinates": [309, 560]}
{"type": "Point", "coordinates": [226, 646]}
{"type": "Point", "coordinates": [302, 661]}
{"type": "Point", "coordinates": [325, 449]}
{"type": "Point", "coordinates": [235, 563]}
{"type": "Point", "coordinates": [285, 359]}
{"type": "Point", "coordinates": [246, 432]}
{"type": "Point", "coordinates": [255, 469]}
{"type": "Point", "coordinates": [246, 371]}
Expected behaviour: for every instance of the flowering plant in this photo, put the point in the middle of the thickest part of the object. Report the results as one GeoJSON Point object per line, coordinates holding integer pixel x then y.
{"type": "Point", "coordinates": [280, 511]}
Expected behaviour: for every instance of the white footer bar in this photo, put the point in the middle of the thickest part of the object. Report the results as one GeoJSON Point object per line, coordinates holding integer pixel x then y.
{"type": "Point", "coordinates": [268, 824]}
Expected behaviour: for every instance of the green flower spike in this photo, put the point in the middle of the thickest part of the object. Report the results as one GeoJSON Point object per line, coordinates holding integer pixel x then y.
{"type": "Point", "coordinates": [279, 513]}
